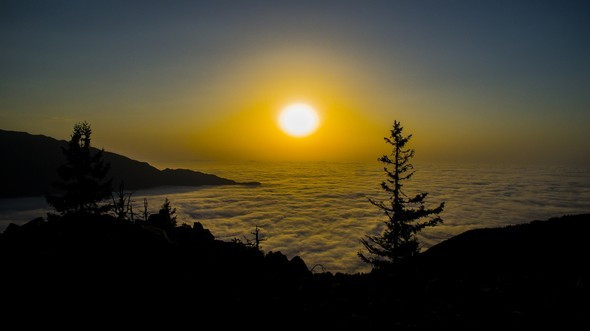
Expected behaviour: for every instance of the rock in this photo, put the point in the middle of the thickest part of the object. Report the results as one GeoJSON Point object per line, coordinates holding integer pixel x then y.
{"type": "Point", "coordinates": [197, 234]}
{"type": "Point", "coordinates": [11, 229]}
{"type": "Point", "coordinates": [298, 266]}
{"type": "Point", "coordinates": [276, 258]}
{"type": "Point", "coordinates": [37, 222]}
{"type": "Point", "coordinates": [202, 233]}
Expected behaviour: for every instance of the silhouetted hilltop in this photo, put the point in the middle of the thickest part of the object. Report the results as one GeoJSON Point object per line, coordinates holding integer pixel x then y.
{"type": "Point", "coordinates": [526, 275]}
{"type": "Point", "coordinates": [29, 164]}
{"type": "Point", "coordinates": [553, 239]}
{"type": "Point", "coordinates": [99, 261]}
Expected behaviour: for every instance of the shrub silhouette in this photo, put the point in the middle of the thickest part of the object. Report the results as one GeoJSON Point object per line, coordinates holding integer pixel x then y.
{"type": "Point", "coordinates": [122, 207]}
{"type": "Point", "coordinates": [165, 218]}
{"type": "Point", "coordinates": [82, 177]}
{"type": "Point", "coordinates": [398, 240]}
{"type": "Point", "coordinates": [256, 240]}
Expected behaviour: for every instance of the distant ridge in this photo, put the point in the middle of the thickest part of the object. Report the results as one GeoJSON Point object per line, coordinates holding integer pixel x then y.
{"type": "Point", "coordinates": [29, 163]}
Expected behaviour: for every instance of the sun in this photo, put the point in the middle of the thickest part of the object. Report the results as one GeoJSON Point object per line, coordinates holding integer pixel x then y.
{"type": "Point", "coordinates": [299, 120]}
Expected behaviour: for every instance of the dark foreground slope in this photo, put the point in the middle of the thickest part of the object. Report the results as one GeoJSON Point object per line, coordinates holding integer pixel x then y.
{"type": "Point", "coordinates": [534, 274]}
{"type": "Point", "coordinates": [527, 275]}
{"type": "Point", "coordinates": [29, 164]}
{"type": "Point", "coordinates": [98, 264]}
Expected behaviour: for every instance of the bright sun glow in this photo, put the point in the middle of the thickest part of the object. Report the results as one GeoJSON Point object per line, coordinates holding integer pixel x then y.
{"type": "Point", "coordinates": [299, 120]}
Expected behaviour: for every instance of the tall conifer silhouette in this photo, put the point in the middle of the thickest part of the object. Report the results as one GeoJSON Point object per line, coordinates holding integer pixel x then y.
{"type": "Point", "coordinates": [83, 183]}
{"type": "Point", "coordinates": [404, 213]}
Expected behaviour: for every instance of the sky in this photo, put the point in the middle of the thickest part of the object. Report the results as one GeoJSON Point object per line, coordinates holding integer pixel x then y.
{"type": "Point", "coordinates": [182, 81]}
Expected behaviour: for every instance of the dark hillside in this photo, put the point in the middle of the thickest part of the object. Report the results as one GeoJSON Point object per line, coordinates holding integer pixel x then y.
{"type": "Point", "coordinates": [29, 164]}
{"type": "Point", "coordinates": [527, 275]}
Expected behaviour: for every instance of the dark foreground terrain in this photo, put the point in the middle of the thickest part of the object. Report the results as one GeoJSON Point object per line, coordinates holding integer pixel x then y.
{"type": "Point", "coordinates": [103, 269]}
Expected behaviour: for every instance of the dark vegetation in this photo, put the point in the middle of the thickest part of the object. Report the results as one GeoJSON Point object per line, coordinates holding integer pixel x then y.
{"type": "Point", "coordinates": [140, 268]}
{"type": "Point", "coordinates": [29, 164]}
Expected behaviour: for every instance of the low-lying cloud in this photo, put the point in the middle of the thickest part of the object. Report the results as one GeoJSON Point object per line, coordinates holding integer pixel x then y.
{"type": "Point", "coordinates": [320, 212]}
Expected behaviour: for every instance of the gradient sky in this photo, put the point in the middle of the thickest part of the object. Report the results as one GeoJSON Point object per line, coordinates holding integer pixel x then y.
{"type": "Point", "coordinates": [176, 81]}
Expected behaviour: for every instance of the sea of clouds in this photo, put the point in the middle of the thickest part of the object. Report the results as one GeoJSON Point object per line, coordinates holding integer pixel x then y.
{"type": "Point", "coordinates": [320, 210]}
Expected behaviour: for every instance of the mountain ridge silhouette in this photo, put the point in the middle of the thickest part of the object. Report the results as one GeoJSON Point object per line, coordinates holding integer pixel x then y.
{"type": "Point", "coordinates": [29, 164]}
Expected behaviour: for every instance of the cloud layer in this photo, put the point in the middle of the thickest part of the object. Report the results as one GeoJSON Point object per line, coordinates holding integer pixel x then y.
{"type": "Point", "coordinates": [320, 210]}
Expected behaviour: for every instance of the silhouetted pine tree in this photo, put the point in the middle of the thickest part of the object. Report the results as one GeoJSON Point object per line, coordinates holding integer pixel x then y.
{"type": "Point", "coordinates": [82, 177]}
{"type": "Point", "coordinates": [398, 240]}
